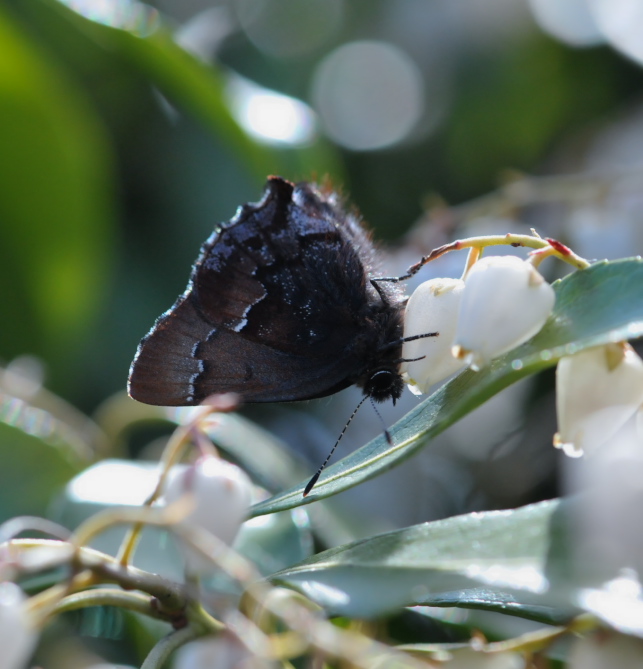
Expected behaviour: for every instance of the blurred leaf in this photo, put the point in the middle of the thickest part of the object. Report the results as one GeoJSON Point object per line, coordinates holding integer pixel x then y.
{"type": "Point", "coordinates": [266, 458]}
{"type": "Point", "coordinates": [512, 106]}
{"type": "Point", "coordinates": [496, 561]}
{"type": "Point", "coordinates": [277, 544]}
{"type": "Point", "coordinates": [601, 304]}
{"type": "Point", "coordinates": [269, 461]}
{"type": "Point", "coordinates": [33, 471]}
{"type": "Point", "coordinates": [186, 81]}
{"type": "Point", "coordinates": [55, 185]}
{"type": "Point", "coordinates": [146, 46]}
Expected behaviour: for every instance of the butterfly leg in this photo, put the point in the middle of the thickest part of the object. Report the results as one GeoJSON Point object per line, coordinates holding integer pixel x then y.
{"type": "Point", "coordinates": [415, 268]}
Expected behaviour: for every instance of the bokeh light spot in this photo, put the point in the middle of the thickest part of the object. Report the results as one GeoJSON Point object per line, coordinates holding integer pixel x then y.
{"type": "Point", "coordinates": [621, 21]}
{"type": "Point", "coordinates": [130, 15]}
{"type": "Point", "coordinates": [570, 21]}
{"type": "Point", "coordinates": [369, 95]}
{"type": "Point", "coordinates": [269, 116]}
{"type": "Point", "coordinates": [288, 28]}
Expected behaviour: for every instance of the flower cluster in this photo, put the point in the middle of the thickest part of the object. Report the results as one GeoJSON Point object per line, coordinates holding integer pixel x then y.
{"type": "Point", "coordinates": [501, 303]}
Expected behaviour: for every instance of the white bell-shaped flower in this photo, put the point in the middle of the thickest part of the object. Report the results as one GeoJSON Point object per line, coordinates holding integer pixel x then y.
{"type": "Point", "coordinates": [222, 494]}
{"type": "Point", "coordinates": [597, 391]}
{"type": "Point", "coordinates": [505, 302]}
{"type": "Point", "coordinates": [433, 307]}
{"type": "Point", "coordinates": [17, 635]}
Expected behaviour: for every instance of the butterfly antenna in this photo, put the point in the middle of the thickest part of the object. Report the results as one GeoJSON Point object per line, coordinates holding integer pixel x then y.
{"type": "Point", "coordinates": [387, 434]}
{"type": "Point", "coordinates": [402, 340]}
{"type": "Point", "coordinates": [315, 478]}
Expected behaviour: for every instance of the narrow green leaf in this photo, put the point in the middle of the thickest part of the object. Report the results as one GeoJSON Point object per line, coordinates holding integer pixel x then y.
{"type": "Point", "coordinates": [55, 188]}
{"type": "Point", "coordinates": [497, 561]}
{"type": "Point", "coordinates": [594, 306]}
{"type": "Point", "coordinates": [33, 472]}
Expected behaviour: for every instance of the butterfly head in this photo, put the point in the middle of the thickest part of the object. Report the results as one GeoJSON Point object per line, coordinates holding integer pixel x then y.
{"type": "Point", "coordinates": [384, 384]}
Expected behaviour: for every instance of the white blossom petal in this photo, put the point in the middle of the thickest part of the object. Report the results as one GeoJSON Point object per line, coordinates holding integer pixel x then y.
{"type": "Point", "coordinates": [433, 307]}
{"type": "Point", "coordinates": [222, 494]}
{"type": "Point", "coordinates": [597, 391]}
{"type": "Point", "coordinates": [505, 302]}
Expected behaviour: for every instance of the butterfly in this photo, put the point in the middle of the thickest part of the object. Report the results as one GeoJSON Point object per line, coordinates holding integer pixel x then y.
{"type": "Point", "coordinates": [282, 304]}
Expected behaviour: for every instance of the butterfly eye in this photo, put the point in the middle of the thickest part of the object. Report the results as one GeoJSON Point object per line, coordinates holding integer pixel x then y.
{"type": "Point", "coordinates": [384, 385]}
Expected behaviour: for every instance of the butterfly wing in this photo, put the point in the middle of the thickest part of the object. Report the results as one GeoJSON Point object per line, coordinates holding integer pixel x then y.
{"type": "Point", "coordinates": [274, 309]}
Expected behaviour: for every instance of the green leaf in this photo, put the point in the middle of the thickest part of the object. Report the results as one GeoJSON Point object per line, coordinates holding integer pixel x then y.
{"type": "Point", "coordinates": [145, 45]}
{"type": "Point", "coordinates": [33, 471]}
{"type": "Point", "coordinates": [55, 188]}
{"type": "Point", "coordinates": [593, 306]}
{"type": "Point", "coordinates": [497, 561]}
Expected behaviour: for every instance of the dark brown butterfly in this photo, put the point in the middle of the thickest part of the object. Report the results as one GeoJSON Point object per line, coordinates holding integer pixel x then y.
{"type": "Point", "coordinates": [281, 305]}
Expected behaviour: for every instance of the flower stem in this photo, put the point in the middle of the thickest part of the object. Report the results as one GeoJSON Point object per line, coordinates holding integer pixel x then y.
{"type": "Point", "coordinates": [132, 601]}
{"type": "Point", "coordinates": [546, 247]}
{"type": "Point", "coordinates": [474, 255]}
{"type": "Point", "coordinates": [171, 455]}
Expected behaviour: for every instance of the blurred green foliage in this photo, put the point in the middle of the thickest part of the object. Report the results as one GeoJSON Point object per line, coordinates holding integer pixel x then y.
{"type": "Point", "coordinates": [33, 473]}
{"type": "Point", "coordinates": [120, 154]}
{"type": "Point", "coordinates": [56, 204]}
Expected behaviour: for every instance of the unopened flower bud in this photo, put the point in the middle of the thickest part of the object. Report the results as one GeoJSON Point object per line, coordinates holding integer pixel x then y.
{"type": "Point", "coordinates": [505, 302]}
{"type": "Point", "coordinates": [433, 307]}
{"type": "Point", "coordinates": [597, 391]}
{"type": "Point", "coordinates": [17, 635]}
{"type": "Point", "coordinates": [222, 495]}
